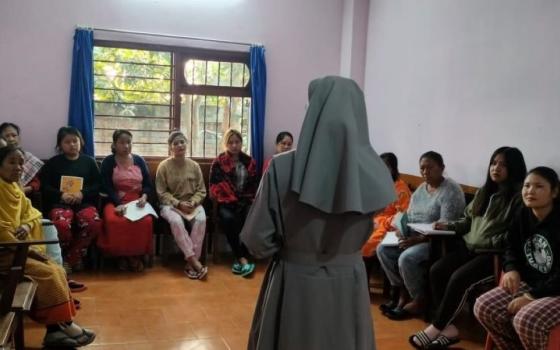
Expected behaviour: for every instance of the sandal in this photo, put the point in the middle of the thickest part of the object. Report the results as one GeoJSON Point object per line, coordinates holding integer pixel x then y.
{"type": "Point", "coordinates": [191, 273]}
{"type": "Point", "coordinates": [398, 314]}
{"type": "Point", "coordinates": [422, 340]}
{"type": "Point", "coordinates": [59, 339]}
{"type": "Point", "coordinates": [237, 268]}
{"type": "Point", "coordinates": [247, 269]}
{"type": "Point", "coordinates": [76, 287]}
{"type": "Point", "coordinates": [387, 307]}
{"type": "Point", "coordinates": [203, 273]}
{"type": "Point", "coordinates": [87, 337]}
{"type": "Point", "coordinates": [443, 342]}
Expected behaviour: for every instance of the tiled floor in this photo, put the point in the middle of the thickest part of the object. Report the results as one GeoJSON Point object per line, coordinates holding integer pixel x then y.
{"type": "Point", "coordinates": [161, 309]}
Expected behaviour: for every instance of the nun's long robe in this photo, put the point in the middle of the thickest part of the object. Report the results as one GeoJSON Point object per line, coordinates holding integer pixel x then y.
{"type": "Point", "coordinates": [315, 292]}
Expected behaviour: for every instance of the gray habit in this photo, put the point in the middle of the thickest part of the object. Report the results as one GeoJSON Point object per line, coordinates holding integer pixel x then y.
{"type": "Point", "coordinates": [315, 293]}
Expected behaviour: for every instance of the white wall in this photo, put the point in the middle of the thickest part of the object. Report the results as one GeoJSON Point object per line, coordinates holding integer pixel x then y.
{"type": "Point", "coordinates": [463, 78]}
{"type": "Point", "coordinates": [302, 41]}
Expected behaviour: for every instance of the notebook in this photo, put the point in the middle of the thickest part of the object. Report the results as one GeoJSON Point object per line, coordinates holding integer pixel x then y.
{"type": "Point", "coordinates": [400, 221]}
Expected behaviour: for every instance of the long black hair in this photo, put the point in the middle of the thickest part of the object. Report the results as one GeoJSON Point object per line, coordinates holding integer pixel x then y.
{"type": "Point", "coordinates": [65, 131]}
{"type": "Point", "coordinates": [516, 170]}
{"type": "Point", "coordinates": [551, 177]}
{"type": "Point", "coordinates": [391, 160]}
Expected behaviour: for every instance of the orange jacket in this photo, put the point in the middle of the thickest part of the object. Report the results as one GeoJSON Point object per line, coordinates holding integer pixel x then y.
{"type": "Point", "coordinates": [382, 221]}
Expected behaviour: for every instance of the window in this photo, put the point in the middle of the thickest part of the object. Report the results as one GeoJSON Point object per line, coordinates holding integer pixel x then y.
{"type": "Point", "coordinates": [151, 90]}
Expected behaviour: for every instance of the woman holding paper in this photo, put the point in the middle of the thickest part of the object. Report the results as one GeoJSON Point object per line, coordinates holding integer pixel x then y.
{"type": "Point", "coordinates": [125, 178]}
{"type": "Point", "coordinates": [483, 225]}
{"type": "Point", "coordinates": [383, 221]}
{"type": "Point", "coordinates": [70, 182]}
{"type": "Point", "coordinates": [438, 198]}
{"type": "Point", "coordinates": [181, 190]}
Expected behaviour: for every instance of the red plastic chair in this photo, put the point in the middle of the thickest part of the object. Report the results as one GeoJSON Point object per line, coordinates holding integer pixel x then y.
{"type": "Point", "coordinates": [553, 340]}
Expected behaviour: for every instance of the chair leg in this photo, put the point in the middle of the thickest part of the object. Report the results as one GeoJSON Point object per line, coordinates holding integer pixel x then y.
{"type": "Point", "coordinates": [18, 334]}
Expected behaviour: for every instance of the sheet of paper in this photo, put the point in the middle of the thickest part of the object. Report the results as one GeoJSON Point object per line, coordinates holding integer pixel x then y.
{"type": "Point", "coordinates": [390, 239]}
{"type": "Point", "coordinates": [428, 229]}
{"type": "Point", "coordinates": [135, 213]}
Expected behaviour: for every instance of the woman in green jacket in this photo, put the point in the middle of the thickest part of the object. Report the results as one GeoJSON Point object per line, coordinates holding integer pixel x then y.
{"type": "Point", "coordinates": [483, 225]}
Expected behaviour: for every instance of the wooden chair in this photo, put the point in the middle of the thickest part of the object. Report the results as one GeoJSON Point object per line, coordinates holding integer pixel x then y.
{"type": "Point", "coordinates": [17, 295]}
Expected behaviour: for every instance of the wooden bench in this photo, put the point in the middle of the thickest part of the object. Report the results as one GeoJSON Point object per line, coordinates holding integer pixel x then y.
{"type": "Point", "coordinates": [17, 294]}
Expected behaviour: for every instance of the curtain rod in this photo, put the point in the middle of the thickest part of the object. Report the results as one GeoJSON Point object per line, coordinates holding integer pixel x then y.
{"type": "Point", "coordinates": [166, 35]}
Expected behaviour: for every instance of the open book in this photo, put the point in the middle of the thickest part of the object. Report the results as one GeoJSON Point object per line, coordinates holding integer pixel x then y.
{"type": "Point", "coordinates": [428, 230]}
{"type": "Point", "coordinates": [135, 213]}
{"type": "Point", "coordinates": [190, 216]}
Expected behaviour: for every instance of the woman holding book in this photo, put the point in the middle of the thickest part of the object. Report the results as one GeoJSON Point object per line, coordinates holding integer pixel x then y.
{"type": "Point", "coordinates": [181, 190]}
{"type": "Point", "coordinates": [439, 198]}
{"type": "Point", "coordinates": [520, 313]}
{"type": "Point", "coordinates": [125, 178]}
{"type": "Point", "coordinates": [483, 225]}
{"type": "Point", "coordinates": [19, 221]}
{"type": "Point", "coordinates": [70, 182]}
{"type": "Point", "coordinates": [233, 184]}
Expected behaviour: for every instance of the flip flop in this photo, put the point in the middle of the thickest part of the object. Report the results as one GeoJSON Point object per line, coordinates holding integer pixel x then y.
{"type": "Point", "coordinates": [422, 340]}
{"type": "Point", "coordinates": [76, 287]}
{"type": "Point", "coordinates": [443, 342]}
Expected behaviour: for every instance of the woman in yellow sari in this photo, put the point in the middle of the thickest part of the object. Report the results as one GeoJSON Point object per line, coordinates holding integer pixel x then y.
{"type": "Point", "coordinates": [19, 221]}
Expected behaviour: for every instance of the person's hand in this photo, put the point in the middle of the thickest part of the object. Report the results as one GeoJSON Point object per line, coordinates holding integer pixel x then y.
{"type": "Point", "coordinates": [120, 209]}
{"type": "Point", "coordinates": [142, 201]}
{"type": "Point", "coordinates": [409, 242]}
{"type": "Point", "coordinates": [22, 232]}
{"type": "Point", "coordinates": [440, 226]}
{"type": "Point", "coordinates": [33, 254]}
{"type": "Point", "coordinates": [516, 304]}
{"type": "Point", "coordinates": [67, 198]}
{"type": "Point", "coordinates": [186, 207]}
{"type": "Point", "coordinates": [27, 189]}
{"type": "Point", "coordinates": [78, 197]}
{"type": "Point", "coordinates": [511, 281]}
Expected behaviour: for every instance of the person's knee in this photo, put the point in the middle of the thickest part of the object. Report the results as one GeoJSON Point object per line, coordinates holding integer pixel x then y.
{"type": "Point", "coordinates": [526, 321]}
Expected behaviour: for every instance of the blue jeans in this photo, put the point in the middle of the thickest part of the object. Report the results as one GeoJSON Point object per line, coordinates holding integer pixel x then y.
{"type": "Point", "coordinates": [406, 267]}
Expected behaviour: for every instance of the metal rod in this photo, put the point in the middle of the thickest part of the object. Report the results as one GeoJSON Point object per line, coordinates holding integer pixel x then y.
{"type": "Point", "coordinates": [166, 35]}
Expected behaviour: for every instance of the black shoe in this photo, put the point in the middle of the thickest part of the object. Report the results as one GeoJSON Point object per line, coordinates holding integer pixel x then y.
{"type": "Point", "coordinates": [398, 314]}
{"type": "Point", "coordinates": [388, 306]}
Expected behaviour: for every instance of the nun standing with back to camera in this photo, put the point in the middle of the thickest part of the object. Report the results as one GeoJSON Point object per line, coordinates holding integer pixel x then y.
{"type": "Point", "coordinates": [313, 214]}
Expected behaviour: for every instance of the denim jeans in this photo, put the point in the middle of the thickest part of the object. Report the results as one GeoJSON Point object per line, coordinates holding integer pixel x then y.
{"type": "Point", "coordinates": [406, 267]}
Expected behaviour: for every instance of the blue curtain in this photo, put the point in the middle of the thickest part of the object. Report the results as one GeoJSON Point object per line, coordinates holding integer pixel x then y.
{"type": "Point", "coordinates": [80, 111]}
{"type": "Point", "coordinates": [258, 98]}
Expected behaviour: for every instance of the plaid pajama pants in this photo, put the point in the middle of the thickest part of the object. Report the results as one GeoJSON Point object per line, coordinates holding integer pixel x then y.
{"type": "Point", "coordinates": [528, 329]}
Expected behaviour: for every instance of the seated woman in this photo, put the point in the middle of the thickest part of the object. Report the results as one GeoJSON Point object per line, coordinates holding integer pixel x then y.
{"type": "Point", "coordinates": [520, 313]}
{"type": "Point", "coordinates": [233, 184]}
{"type": "Point", "coordinates": [437, 199]}
{"type": "Point", "coordinates": [125, 178]}
{"type": "Point", "coordinates": [31, 166]}
{"type": "Point", "coordinates": [70, 183]}
{"type": "Point", "coordinates": [284, 142]}
{"type": "Point", "coordinates": [483, 225]}
{"type": "Point", "coordinates": [19, 221]}
{"type": "Point", "coordinates": [181, 190]}
{"type": "Point", "coordinates": [383, 221]}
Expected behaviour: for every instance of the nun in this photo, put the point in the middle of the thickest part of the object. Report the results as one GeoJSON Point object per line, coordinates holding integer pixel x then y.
{"type": "Point", "coordinates": [312, 215]}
